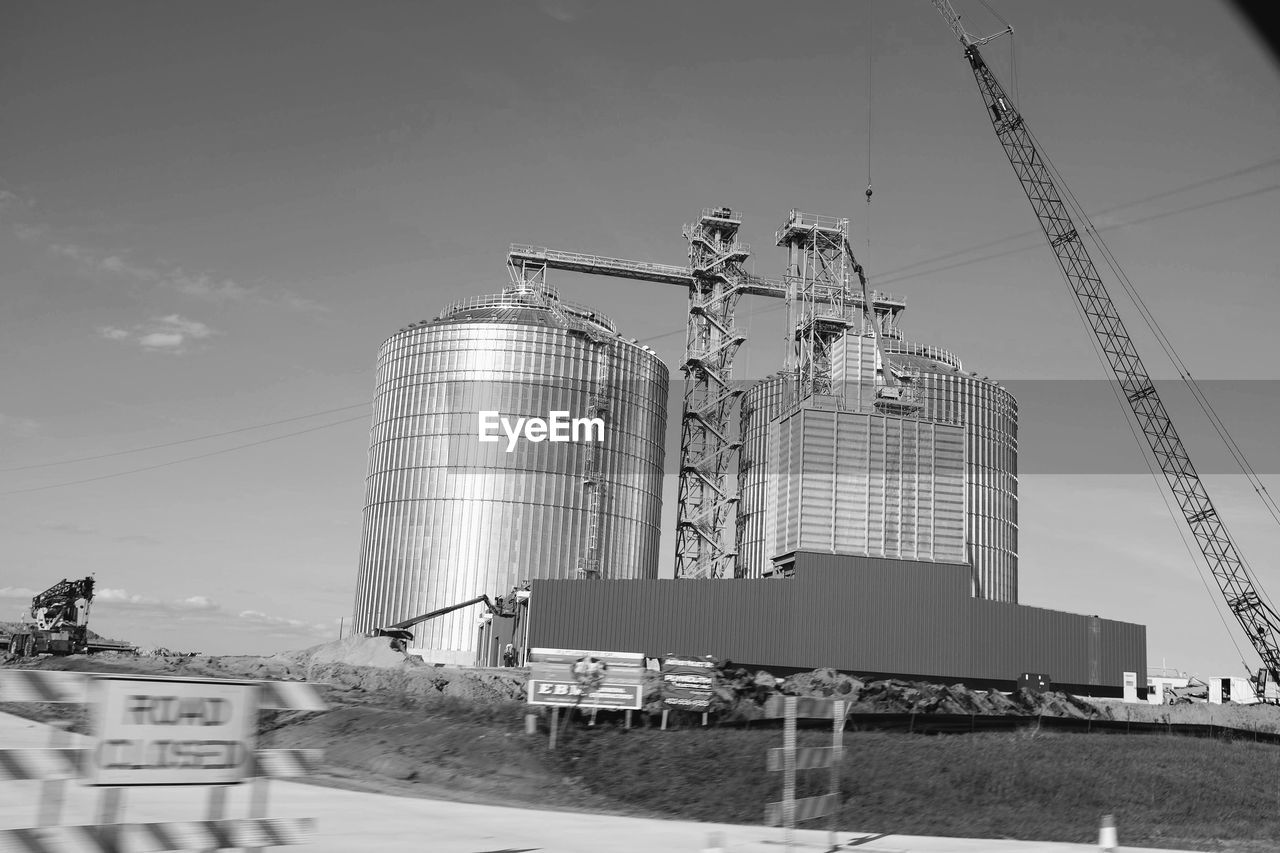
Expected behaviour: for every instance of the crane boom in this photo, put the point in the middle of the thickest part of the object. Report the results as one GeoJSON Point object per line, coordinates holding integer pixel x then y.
{"type": "Point", "coordinates": [1258, 620]}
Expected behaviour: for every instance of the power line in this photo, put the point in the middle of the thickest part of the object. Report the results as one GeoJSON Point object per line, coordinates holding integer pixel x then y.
{"type": "Point", "coordinates": [1256, 167]}
{"type": "Point", "coordinates": [1138, 221]}
{"type": "Point", "coordinates": [184, 459]}
{"type": "Point", "coordinates": [897, 275]}
{"type": "Point", "coordinates": [184, 440]}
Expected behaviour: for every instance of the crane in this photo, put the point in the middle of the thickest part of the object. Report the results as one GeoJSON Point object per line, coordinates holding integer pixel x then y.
{"type": "Point", "coordinates": [1256, 617]}
{"type": "Point", "coordinates": [60, 621]}
{"type": "Point", "coordinates": [716, 280]}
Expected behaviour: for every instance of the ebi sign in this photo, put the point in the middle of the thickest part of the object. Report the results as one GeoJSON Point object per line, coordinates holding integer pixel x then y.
{"type": "Point", "coordinates": [168, 731]}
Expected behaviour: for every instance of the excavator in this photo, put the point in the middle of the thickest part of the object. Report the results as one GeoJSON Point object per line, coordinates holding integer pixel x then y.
{"type": "Point", "coordinates": [401, 636]}
{"type": "Point", "coordinates": [61, 621]}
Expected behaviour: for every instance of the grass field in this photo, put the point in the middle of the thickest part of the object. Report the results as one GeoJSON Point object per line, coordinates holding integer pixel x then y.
{"type": "Point", "coordinates": [1164, 791]}
{"type": "Point", "coordinates": [382, 734]}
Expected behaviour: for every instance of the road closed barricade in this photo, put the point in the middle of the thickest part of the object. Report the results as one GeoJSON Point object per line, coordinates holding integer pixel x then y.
{"type": "Point", "coordinates": [158, 731]}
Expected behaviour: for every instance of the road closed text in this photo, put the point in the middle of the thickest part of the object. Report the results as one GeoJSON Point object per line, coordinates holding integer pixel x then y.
{"type": "Point", "coordinates": [174, 732]}
{"type": "Point", "coordinates": [122, 754]}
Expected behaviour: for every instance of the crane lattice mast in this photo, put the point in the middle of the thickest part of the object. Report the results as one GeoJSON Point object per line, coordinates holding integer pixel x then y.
{"type": "Point", "coordinates": [1259, 621]}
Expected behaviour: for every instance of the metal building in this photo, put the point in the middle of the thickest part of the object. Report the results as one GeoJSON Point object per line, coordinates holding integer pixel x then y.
{"type": "Point", "coordinates": [451, 514]}
{"type": "Point", "coordinates": [875, 617]}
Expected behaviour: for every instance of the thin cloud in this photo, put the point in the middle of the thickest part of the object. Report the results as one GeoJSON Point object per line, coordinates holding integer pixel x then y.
{"type": "Point", "coordinates": [17, 426]}
{"type": "Point", "coordinates": [291, 626]}
{"type": "Point", "coordinates": [123, 598]}
{"type": "Point", "coordinates": [16, 592]}
{"type": "Point", "coordinates": [205, 286]}
{"type": "Point", "coordinates": [564, 11]}
{"type": "Point", "coordinates": [69, 528]}
{"type": "Point", "coordinates": [120, 596]}
{"type": "Point", "coordinates": [30, 233]}
{"type": "Point", "coordinates": [172, 333]}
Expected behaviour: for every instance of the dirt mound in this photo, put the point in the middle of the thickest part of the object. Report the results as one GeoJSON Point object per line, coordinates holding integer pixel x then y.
{"type": "Point", "coordinates": [356, 651]}
{"type": "Point", "coordinates": [1258, 717]}
{"type": "Point", "coordinates": [741, 694]}
{"type": "Point", "coordinates": [424, 682]}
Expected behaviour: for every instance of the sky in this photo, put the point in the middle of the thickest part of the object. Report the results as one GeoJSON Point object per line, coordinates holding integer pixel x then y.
{"type": "Point", "coordinates": [211, 216]}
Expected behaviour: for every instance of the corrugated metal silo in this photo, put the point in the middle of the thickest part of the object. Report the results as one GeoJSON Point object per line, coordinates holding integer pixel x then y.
{"type": "Point", "coordinates": [762, 403]}
{"type": "Point", "coordinates": [448, 516]}
{"type": "Point", "coordinates": [989, 414]}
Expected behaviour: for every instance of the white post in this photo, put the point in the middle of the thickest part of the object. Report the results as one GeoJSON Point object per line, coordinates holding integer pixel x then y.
{"type": "Point", "coordinates": [837, 754]}
{"type": "Point", "coordinates": [53, 791]}
{"type": "Point", "coordinates": [216, 808]}
{"type": "Point", "coordinates": [789, 771]}
{"type": "Point", "coordinates": [109, 807]}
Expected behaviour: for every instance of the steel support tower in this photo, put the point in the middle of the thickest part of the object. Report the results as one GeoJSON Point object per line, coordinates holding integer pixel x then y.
{"type": "Point", "coordinates": [818, 276]}
{"type": "Point", "coordinates": [706, 430]}
{"type": "Point", "coordinates": [716, 280]}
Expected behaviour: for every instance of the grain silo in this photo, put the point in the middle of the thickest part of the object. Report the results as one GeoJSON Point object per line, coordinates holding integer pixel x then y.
{"type": "Point", "coordinates": [762, 403]}
{"type": "Point", "coordinates": [989, 414]}
{"type": "Point", "coordinates": [985, 411]}
{"type": "Point", "coordinates": [464, 498]}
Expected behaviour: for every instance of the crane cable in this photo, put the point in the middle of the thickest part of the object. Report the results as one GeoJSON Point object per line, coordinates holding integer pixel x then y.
{"type": "Point", "coordinates": [1174, 515]}
{"type": "Point", "coordinates": [870, 55]}
{"type": "Point", "coordinates": [1170, 351]}
{"type": "Point", "coordinates": [868, 311]}
{"type": "Point", "coordinates": [1184, 373]}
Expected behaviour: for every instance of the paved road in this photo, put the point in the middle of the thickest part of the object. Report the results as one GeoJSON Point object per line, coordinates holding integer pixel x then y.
{"type": "Point", "coordinates": [352, 822]}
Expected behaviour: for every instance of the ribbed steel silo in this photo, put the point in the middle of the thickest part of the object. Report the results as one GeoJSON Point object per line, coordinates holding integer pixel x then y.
{"type": "Point", "coordinates": [449, 516]}
{"type": "Point", "coordinates": [761, 404]}
{"type": "Point", "coordinates": [986, 410]}
{"type": "Point", "coordinates": [989, 414]}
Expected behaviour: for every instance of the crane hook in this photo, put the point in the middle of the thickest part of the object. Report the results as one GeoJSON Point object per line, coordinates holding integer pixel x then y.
{"type": "Point", "coordinates": [868, 193]}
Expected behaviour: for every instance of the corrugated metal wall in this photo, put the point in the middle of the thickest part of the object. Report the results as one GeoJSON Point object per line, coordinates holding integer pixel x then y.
{"type": "Point", "coordinates": [855, 614]}
{"type": "Point", "coordinates": [989, 414]}
{"type": "Point", "coordinates": [866, 483]}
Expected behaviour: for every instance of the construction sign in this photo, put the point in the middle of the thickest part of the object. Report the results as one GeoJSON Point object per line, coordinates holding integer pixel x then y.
{"type": "Point", "coordinates": [173, 732]}
{"type": "Point", "coordinates": [579, 678]}
{"type": "Point", "coordinates": [687, 682]}
{"type": "Point", "coordinates": [156, 730]}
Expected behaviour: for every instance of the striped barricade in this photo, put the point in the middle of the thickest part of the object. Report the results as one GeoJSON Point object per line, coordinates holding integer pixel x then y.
{"type": "Point", "coordinates": [138, 706]}
{"type": "Point", "coordinates": [20, 765]}
{"type": "Point", "coordinates": [807, 757]}
{"type": "Point", "coordinates": [33, 685]}
{"type": "Point", "coordinates": [806, 808]}
{"type": "Point", "coordinates": [788, 759]}
{"type": "Point", "coordinates": [158, 837]}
